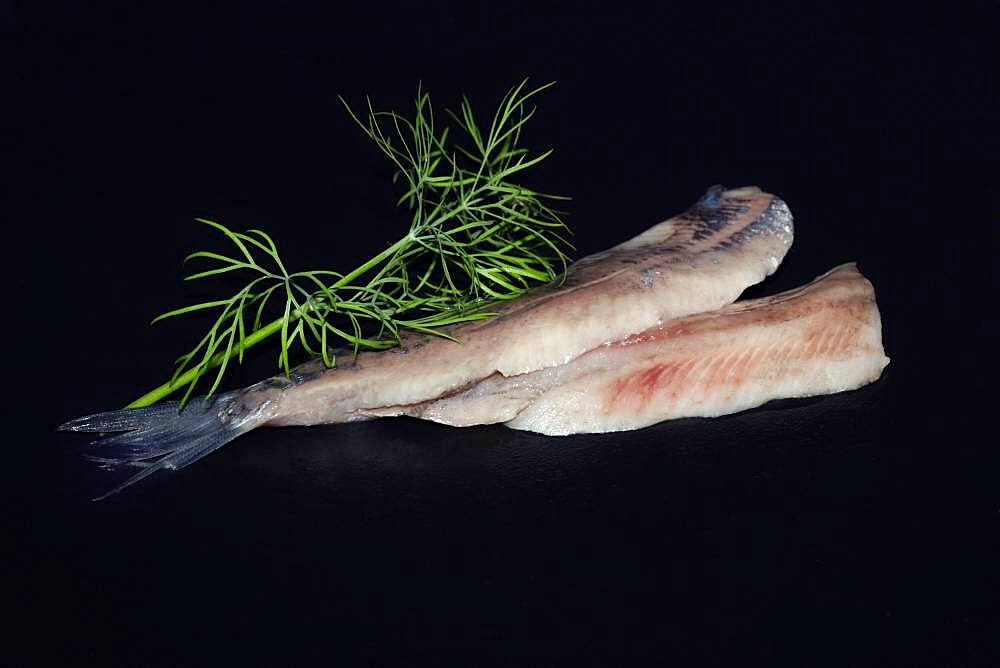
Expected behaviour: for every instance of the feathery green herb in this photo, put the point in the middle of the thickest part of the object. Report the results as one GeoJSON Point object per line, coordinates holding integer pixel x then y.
{"type": "Point", "coordinates": [476, 237]}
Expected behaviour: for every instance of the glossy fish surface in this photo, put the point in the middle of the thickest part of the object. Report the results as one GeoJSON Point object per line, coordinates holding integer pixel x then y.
{"type": "Point", "coordinates": [821, 338]}
{"type": "Point", "coordinates": [697, 261]}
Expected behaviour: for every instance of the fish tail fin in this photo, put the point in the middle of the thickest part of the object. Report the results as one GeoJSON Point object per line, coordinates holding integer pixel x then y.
{"type": "Point", "coordinates": [166, 437]}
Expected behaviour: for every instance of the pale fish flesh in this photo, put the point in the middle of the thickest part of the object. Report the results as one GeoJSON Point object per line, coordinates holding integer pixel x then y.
{"type": "Point", "coordinates": [821, 338]}
{"type": "Point", "coordinates": [694, 262]}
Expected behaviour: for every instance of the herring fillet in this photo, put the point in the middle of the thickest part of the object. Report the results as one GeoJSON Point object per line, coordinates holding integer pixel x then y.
{"type": "Point", "coordinates": [696, 261]}
{"type": "Point", "coordinates": [820, 338]}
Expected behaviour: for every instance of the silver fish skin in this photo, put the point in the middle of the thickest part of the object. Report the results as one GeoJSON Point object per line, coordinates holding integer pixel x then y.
{"type": "Point", "coordinates": [821, 338]}
{"type": "Point", "coordinates": [696, 261]}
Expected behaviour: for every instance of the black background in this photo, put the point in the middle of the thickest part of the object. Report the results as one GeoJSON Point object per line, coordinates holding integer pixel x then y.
{"type": "Point", "coordinates": [858, 529]}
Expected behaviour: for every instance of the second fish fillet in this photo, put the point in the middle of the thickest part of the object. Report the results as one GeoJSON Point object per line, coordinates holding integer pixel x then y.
{"type": "Point", "coordinates": [821, 338]}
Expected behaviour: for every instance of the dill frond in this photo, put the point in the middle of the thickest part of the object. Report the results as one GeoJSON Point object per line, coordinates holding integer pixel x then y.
{"type": "Point", "coordinates": [476, 237]}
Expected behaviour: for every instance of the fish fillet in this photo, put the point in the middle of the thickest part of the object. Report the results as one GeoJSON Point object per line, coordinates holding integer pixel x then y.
{"type": "Point", "coordinates": [821, 338]}
{"type": "Point", "coordinates": [697, 261]}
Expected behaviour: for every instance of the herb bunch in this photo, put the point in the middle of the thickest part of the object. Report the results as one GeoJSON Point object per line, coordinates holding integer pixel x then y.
{"type": "Point", "coordinates": [476, 237]}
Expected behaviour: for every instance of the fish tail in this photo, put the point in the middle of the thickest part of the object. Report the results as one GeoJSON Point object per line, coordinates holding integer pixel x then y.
{"type": "Point", "coordinates": [166, 437]}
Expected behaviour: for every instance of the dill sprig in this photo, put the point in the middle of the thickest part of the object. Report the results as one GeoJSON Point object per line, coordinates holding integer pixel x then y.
{"type": "Point", "coordinates": [476, 237]}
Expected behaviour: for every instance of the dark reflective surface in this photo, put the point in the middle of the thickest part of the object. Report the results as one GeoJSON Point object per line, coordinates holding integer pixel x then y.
{"type": "Point", "coordinates": [856, 529]}
{"type": "Point", "coordinates": [762, 533]}
{"type": "Point", "coordinates": [419, 458]}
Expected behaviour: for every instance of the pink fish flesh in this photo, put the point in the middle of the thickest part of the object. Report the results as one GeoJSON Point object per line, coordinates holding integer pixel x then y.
{"type": "Point", "coordinates": [821, 338]}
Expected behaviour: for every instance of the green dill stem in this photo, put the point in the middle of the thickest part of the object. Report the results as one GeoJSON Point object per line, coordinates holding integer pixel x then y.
{"type": "Point", "coordinates": [472, 234]}
{"type": "Point", "coordinates": [256, 337]}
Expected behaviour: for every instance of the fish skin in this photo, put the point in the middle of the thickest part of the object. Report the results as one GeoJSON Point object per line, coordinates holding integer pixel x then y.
{"type": "Point", "coordinates": [821, 338]}
{"type": "Point", "coordinates": [696, 261]}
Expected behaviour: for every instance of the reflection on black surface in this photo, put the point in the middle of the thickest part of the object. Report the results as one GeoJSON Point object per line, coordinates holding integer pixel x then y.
{"type": "Point", "coordinates": [707, 525]}
{"type": "Point", "coordinates": [433, 454]}
{"type": "Point", "coordinates": [420, 454]}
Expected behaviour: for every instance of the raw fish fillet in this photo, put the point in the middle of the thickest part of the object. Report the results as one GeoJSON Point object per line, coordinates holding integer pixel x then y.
{"type": "Point", "coordinates": [694, 262]}
{"type": "Point", "coordinates": [821, 338]}
{"type": "Point", "coordinates": [697, 261]}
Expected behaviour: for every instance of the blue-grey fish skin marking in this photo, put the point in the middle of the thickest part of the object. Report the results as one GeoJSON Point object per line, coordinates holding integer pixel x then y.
{"type": "Point", "coordinates": [712, 196]}
{"type": "Point", "coordinates": [710, 219]}
{"type": "Point", "coordinates": [308, 371]}
{"type": "Point", "coordinates": [776, 220]}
